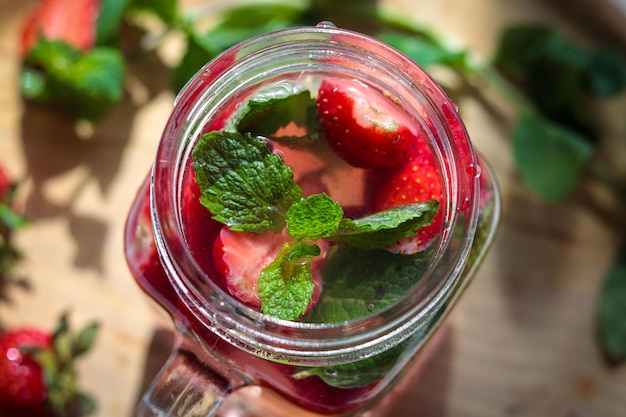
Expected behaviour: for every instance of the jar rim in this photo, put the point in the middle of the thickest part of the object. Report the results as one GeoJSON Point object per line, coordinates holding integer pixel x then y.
{"type": "Point", "coordinates": [250, 329]}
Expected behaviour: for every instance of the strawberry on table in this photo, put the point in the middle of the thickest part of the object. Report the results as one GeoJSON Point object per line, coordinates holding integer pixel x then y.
{"type": "Point", "coordinates": [363, 126]}
{"type": "Point", "coordinates": [415, 181]}
{"type": "Point", "coordinates": [22, 388]}
{"type": "Point", "coordinates": [37, 375]}
{"type": "Point", "coordinates": [72, 21]}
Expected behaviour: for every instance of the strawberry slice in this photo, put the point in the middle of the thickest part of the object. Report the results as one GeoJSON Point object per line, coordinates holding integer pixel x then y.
{"type": "Point", "coordinates": [72, 21]}
{"type": "Point", "coordinates": [239, 257]}
{"type": "Point", "coordinates": [414, 182]}
{"type": "Point", "coordinates": [364, 127]}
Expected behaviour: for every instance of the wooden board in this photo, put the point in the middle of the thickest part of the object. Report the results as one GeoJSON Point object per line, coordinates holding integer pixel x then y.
{"type": "Point", "coordinates": [521, 342]}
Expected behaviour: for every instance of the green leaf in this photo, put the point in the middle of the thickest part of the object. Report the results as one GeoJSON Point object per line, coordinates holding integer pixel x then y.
{"type": "Point", "coordinates": [274, 107]}
{"type": "Point", "coordinates": [313, 218]}
{"type": "Point", "coordinates": [109, 19]}
{"type": "Point", "coordinates": [550, 158]}
{"type": "Point", "coordinates": [355, 374]}
{"type": "Point", "coordinates": [243, 184]}
{"type": "Point", "coordinates": [611, 313]}
{"type": "Point", "coordinates": [553, 72]}
{"type": "Point", "coordinates": [422, 51]}
{"type": "Point", "coordinates": [237, 24]}
{"type": "Point", "coordinates": [198, 52]}
{"type": "Point", "coordinates": [358, 282]}
{"type": "Point", "coordinates": [386, 227]}
{"type": "Point", "coordinates": [519, 47]}
{"type": "Point", "coordinates": [10, 218]}
{"type": "Point", "coordinates": [285, 285]}
{"type": "Point", "coordinates": [605, 76]}
{"type": "Point", "coordinates": [165, 10]}
{"type": "Point", "coordinates": [85, 340]}
{"type": "Point", "coordinates": [85, 84]}
{"type": "Point", "coordinates": [242, 22]}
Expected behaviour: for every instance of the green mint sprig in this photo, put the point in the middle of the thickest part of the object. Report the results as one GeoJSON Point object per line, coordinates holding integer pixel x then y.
{"type": "Point", "coordinates": [250, 189]}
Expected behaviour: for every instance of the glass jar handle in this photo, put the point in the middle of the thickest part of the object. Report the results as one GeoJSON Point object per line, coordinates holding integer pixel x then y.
{"type": "Point", "coordinates": [193, 382]}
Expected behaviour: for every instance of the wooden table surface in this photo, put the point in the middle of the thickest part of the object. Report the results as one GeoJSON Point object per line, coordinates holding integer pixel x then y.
{"type": "Point", "coordinates": [520, 343]}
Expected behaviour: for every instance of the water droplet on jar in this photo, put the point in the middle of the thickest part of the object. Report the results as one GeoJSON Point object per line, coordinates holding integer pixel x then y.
{"type": "Point", "coordinates": [326, 25]}
{"type": "Point", "coordinates": [465, 203]}
{"type": "Point", "coordinates": [454, 105]}
{"type": "Point", "coordinates": [474, 170]}
{"type": "Point", "coordinates": [370, 306]}
{"type": "Point", "coordinates": [330, 372]}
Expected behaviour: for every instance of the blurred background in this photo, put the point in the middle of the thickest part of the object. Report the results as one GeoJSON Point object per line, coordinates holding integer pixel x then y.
{"type": "Point", "coordinates": [537, 333]}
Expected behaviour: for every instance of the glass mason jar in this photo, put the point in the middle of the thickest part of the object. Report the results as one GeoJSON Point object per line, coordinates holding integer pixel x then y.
{"type": "Point", "coordinates": [340, 367]}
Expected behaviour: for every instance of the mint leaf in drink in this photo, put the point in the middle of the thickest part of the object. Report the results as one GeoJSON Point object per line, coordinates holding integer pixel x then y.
{"type": "Point", "coordinates": [285, 285]}
{"type": "Point", "coordinates": [358, 282]}
{"type": "Point", "coordinates": [242, 183]}
{"type": "Point", "coordinates": [313, 218]}
{"type": "Point", "coordinates": [612, 310]}
{"type": "Point", "coordinates": [275, 107]}
{"type": "Point", "coordinates": [386, 227]}
{"type": "Point", "coordinates": [550, 158]}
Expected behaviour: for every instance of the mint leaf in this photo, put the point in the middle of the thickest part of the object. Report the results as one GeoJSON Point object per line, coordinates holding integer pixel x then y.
{"type": "Point", "coordinates": [612, 310]}
{"type": "Point", "coordinates": [199, 52]}
{"type": "Point", "coordinates": [358, 282]}
{"type": "Point", "coordinates": [355, 374]}
{"type": "Point", "coordinates": [275, 107]}
{"type": "Point", "coordinates": [313, 218]}
{"type": "Point", "coordinates": [85, 84]}
{"type": "Point", "coordinates": [285, 285]}
{"type": "Point", "coordinates": [242, 22]}
{"type": "Point", "coordinates": [109, 19]}
{"type": "Point", "coordinates": [550, 158]}
{"type": "Point", "coordinates": [519, 47]}
{"type": "Point", "coordinates": [165, 10]}
{"type": "Point", "coordinates": [605, 76]}
{"type": "Point", "coordinates": [422, 51]}
{"type": "Point", "coordinates": [386, 227]}
{"type": "Point", "coordinates": [242, 183]}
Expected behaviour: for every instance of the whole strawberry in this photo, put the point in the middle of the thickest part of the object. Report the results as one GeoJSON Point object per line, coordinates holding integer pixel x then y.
{"type": "Point", "coordinates": [37, 375]}
{"type": "Point", "coordinates": [415, 181]}
{"type": "Point", "coordinates": [22, 388]}
{"type": "Point", "coordinates": [366, 128]}
{"type": "Point", "coordinates": [71, 21]}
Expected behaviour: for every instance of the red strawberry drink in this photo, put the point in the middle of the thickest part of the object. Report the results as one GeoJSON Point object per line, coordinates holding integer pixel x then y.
{"type": "Point", "coordinates": [314, 210]}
